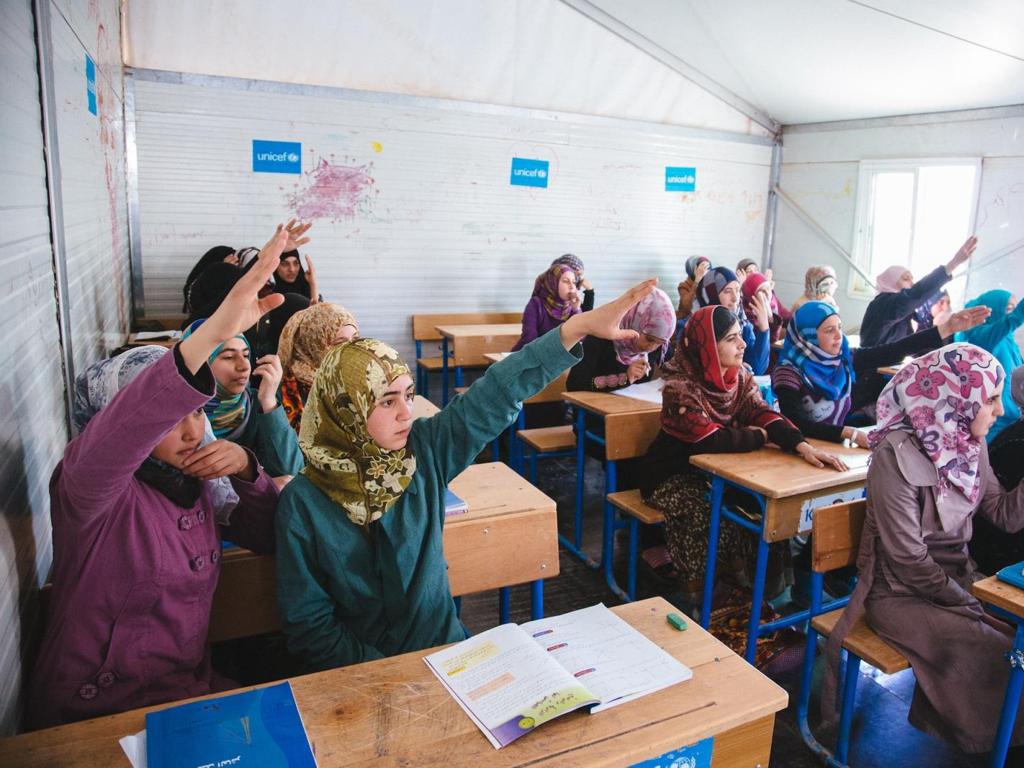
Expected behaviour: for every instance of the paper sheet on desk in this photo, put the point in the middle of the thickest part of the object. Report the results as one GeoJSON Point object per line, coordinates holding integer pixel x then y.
{"type": "Point", "coordinates": [649, 391]}
{"type": "Point", "coordinates": [134, 747]}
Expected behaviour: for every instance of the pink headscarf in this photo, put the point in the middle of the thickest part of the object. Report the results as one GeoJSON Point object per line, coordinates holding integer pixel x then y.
{"type": "Point", "coordinates": [653, 315]}
{"type": "Point", "coordinates": [936, 397]}
{"type": "Point", "coordinates": [889, 280]}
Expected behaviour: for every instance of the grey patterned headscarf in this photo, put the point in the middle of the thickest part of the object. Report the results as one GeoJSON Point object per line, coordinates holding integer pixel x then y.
{"type": "Point", "coordinates": [96, 386]}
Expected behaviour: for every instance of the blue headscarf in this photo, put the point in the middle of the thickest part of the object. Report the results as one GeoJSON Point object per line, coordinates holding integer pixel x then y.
{"type": "Point", "coordinates": [831, 375]}
{"type": "Point", "coordinates": [996, 336]}
{"type": "Point", "coordinates": [228, 413]}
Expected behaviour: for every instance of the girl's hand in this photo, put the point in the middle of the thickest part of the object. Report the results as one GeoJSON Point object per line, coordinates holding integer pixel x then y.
{"type": "Point", "coordinates": [637, 370]}
{"type": "Point", "coordinates": [282, 480]}
{"type": "Point", "coordinates": [700, 271]}
{"type": "Point", "coordinates": [220, 459]}
{"type": "Point", "coordinates": [760, 430]}
{"type": "Point", "coordinates": [268, 368]}
{"type": "Point", "coordinates": [856, 437]}
{"type": "Point", "coordinates": [819, 458]}
{"type": "Point", "coordinates": [962, 255]}
{"type": "Point", "coordinates": [762, 312]}
{"type": "Point", "coordinates": [963, 320]}
{"type": "Point", "coordinates": [295, 234]}
{"type": "Point", "coordinates": [603, 322]}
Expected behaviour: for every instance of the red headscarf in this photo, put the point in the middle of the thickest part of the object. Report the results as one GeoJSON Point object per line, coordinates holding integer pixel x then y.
{"type": "Point", "coordinates": [709, 397]}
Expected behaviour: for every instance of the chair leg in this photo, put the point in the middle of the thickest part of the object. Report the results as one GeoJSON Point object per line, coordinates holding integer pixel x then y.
{"type": "Point", "coordinates": [846, 712]}
{"type": "Point", "coordinates": [504, 605]}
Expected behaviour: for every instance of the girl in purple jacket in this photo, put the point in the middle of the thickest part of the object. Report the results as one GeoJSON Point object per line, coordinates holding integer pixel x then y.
{"type": "Point", "coordinates": [136, 544]}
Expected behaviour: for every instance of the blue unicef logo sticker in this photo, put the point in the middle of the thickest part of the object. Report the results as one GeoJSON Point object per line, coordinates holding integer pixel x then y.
{"type": "Point", "coordinates": [680, 179]}
{"type": "Point", "coordinates": [276, 156]}
{"type": "Point", "coordinates": [90, 83]}
{"type": "Point", "coordinates": [529, 173]}
{"type": "Point", "coordinates": [694, 756]}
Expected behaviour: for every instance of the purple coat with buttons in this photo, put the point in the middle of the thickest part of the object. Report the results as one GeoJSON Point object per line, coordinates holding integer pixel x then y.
{"type": "Point", "coordinates": [133, 573]}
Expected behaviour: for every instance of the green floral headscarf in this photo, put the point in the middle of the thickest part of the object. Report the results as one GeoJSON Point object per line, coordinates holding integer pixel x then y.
{"type": "Point", "coordinates": [341, 458]}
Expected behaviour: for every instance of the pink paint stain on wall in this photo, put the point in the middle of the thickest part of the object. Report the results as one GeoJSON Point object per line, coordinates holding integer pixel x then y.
{"type": "Point", "coordinates": [333, 192]}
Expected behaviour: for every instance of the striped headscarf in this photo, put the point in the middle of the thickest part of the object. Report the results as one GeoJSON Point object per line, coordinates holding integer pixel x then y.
{"type": "Point", "coordinates": [825, 374]}
{"type": "Point", "coordinates": [228, 413]}
{"type": "Point", "coordinates": [342, 460]}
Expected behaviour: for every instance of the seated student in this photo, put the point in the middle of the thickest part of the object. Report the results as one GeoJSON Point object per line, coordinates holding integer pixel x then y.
{"type": "Point", "coordinates": [820, 284]}
{"type": "Point", "coordinates": [711, 404]}
{"type": "Point", "coordinates": [991, 548]}
{"type": "Point", "coordinates": [720, 286]}
{"type": "Point", "coordinates": [888, 316]}
{"type": "Point", "coordinates": [745, 269]}
{"type": "Point", "coordinates": [555, 299]}
{"type": "Point", "coordinates": [609, 365]}
{"type": "Point", "coordinates": [935, 310]}
{"type": "Point", "coordinates": [216, 255]}
{"type": "Point", "coordinates": [757, 289]}
{"type": "Point", "coordinates": [208, 289]}
{"type": "Point", "coordinates": [292, 277]}
{"type": "Point", "coordinates": [261, 427]}
{"type": "Point", "coordinates": [307, 337]}
{"type": "Point", "coordinates": [928, 479]}
{"type": "Point", "coordinates": [360, 564]}
{"type": "Point", "coordinates": [815, 377]}
{"type": "Point", "coordinates": [696, 268]}
{"type": "Point", "coordinates": [584, 290]}
{"type": "Point", "coordinates": [136, 546]}
{"type": "Point", "coordinates": [996, 336]}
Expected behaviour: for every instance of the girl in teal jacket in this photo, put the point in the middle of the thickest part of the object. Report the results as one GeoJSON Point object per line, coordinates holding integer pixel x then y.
{"type": "Point", "coordinates": [360, 561]}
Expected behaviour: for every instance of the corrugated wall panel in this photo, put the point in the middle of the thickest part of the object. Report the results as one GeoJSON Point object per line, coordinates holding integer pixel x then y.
{"type": "Point", "coordinates": [92, 177]}
{"type": "Point", "coordinates": [440, 228]}
{"type": "Point", "coordinates": [32, 431]}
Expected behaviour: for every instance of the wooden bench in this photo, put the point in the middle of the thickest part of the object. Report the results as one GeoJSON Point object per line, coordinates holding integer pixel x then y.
{"type": "Point", "coordinates": [835, 542]}
{"type": "Point", "coordinates": [424, 328]}
{"type": "Point", "coordinates": [543, 442]}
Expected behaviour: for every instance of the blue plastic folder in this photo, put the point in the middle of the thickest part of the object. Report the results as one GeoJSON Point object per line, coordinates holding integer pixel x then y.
{"type": "Point", "coordinates": [255, 729]}
{"type": "Point", "coordinates": [1013, 574]}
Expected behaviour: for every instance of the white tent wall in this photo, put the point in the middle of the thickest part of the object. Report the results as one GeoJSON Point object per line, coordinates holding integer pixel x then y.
{"type": "Point", "coordinates": [820, 171]}
{"type": "Point", "coordinates": [437, 226]}
{"type": "Point", "coordinates": [541, 54]}
{"type": "Point", "coordinates": [33, 428]}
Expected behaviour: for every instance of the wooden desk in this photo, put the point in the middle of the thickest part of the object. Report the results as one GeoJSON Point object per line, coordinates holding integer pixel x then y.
{"type": "Point", "coordinates": [630, 425]}
{"type": "Point", "coordinates": [394, 712]}
{"type": "Point", "coordinates": [508, 537]}
{"type": "Point", "coordinates": [469, 343]}
{"type": "Point", "coordinates": [1009, 603]}
{"type": "Point", "coordinates": [781, 483]}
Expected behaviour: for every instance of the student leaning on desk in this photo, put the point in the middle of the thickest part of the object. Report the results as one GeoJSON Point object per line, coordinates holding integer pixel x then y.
{"type": "Point", "coordinates": [360, 564]}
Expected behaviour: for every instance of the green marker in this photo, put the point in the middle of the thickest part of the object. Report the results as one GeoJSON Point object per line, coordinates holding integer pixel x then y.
{"type": "Point", "coordinates": [677, 621]}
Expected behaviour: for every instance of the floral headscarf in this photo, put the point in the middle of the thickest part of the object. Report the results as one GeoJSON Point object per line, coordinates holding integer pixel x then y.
{"type": "Point", "coordinates": [889, 280]}
{"type": "Point", "coordinates": [828, 375]}
{"type": "Point", "coordinates": [820, 283]}
{"type": "Point", "coordinates": [96, 386]}
{"type": "Point", "coordinates": [307, 336]}
{"type": "Point", "coordinates": [342, 460]}
{"type": "Point", "coordinates": [228, 413]}
{"type": "Point", "coordinates": [936, 397]}
{"type": "Point", "coordinates": [653, 315]}
{"type": "Point", "coordinates": [710, 397]}
{"type": "Point", "coordinates": [546, 289]}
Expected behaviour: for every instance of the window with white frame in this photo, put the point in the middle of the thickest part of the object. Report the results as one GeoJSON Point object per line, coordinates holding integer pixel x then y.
{"type": "Point", "coordinates": [915, 213]}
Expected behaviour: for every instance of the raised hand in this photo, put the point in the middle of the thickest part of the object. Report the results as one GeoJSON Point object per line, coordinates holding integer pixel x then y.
{"type": "Point", "coordinates": [240, 309]}
{"type": "Point", "coordinates": [295, 234]}
{"type": "Point", "coordinates": [268, 368]}
{"type": "Point", "coordinates": [762, 311]}
{"type": "Point", "coordinates": [700, 271]}
{"type": "Point", "coordinates": [603, 322]}
{"type": "Point", "coordinates": [962, 255]}
{"type": "Point", "coordinates": [963, 320]}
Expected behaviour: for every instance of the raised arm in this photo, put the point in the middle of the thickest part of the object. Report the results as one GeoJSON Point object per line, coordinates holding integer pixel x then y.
{"type": "Point", "coordinates": [988, 335]}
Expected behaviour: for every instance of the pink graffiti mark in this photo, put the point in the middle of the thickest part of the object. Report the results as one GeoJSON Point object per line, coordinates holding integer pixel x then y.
{"type": "Point", "coordinates": [333, 192]}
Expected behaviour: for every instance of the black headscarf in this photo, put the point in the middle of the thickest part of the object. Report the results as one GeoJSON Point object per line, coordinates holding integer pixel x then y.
{"type": "Point", "coordinates": [216, 254]}
{"type": "Point", "coordinates": [209, 289]}
{"type": "Point", "coordinates": [299, 286]}
{"type": "Point", "coordinates": [266, 334]}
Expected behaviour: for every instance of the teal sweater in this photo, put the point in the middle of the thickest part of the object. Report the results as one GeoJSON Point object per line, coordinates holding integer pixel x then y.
{"type": "Point", "coordinates": [272, 440]}
{"type": "Point", "coordinates": [346, 597]}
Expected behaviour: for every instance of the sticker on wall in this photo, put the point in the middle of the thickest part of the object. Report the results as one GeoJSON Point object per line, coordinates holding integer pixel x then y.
{"type": "Point", "coordinates": [90, 83]}
{"type": "Point", "coordinates": [680, 179]}
{"type": "Point", "coordinates": [694, 756]}
{"type": "Point", "coordinates": [529, 173]}
{"type": "Point", "coordinates": [276, 156]}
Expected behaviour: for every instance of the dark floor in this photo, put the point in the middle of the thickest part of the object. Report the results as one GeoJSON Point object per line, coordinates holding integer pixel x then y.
{"type": "Point", "coordinates": [882, 737]}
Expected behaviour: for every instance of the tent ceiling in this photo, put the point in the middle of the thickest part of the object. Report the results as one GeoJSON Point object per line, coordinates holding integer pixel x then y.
{"type": "Point", "coordinates": [798, 61]}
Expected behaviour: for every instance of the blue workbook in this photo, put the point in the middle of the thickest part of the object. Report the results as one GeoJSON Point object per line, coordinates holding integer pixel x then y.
{"type": "Point", "coordinates": [1013, 574]}
{"type": "Point", "coordinates": [255, 729]}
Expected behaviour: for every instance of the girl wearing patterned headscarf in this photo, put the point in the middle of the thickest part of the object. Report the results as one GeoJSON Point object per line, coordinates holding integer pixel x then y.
{"type": "Point", "coordinates": [554, 301]}
{"type": "Point", "coordinates": [820, 284]}
{"type": "Point", "coordinates": [710, 404]}
{"type": "Point", "coordinates": [136, 540]}
{"type": "Point", "coordinates": [306, 338]}
{"type": "Point", "coordinates": [816, 377]}
{"type": "Point", "coordinates": [997, 336]}
{"type": "Point", "coordinates": [756, 289]}
{"type": "Point", "coordinates": [696, 267]}
{"type": "Point", "coordinates": [609, 365]}
{"type": "Point", "coordinates": [252, 419]}
{"type": "Point", "coordinates": [582, 284]}
{"type": "Point", "coordinates": [929, 476]}
{"type": "Point", "coordinates": [360, 565]}
{"type": "Point", "coordinates": [720, 286]}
